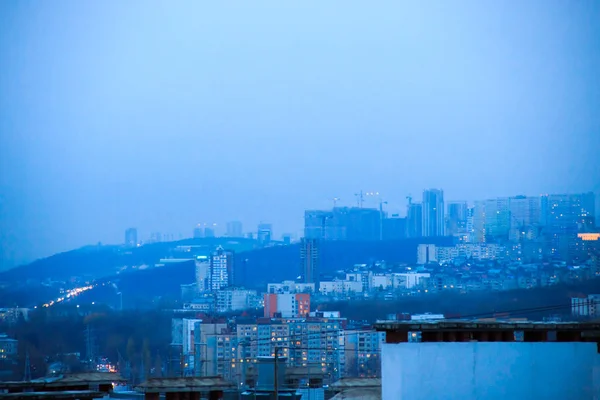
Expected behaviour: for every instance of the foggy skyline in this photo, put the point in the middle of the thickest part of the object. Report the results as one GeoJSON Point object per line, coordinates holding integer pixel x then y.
{"type": "Point", "coordinates": [161, 116]}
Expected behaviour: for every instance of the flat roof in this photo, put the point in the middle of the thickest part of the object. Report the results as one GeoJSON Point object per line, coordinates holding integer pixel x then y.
{"type": "Point", "coordinates": [74, 379]}
{"type": "Point", "coordinates": [58, 395]}
{"type": "Point", "coordinates": [483, 325]}
{"type": "Point", "coordinates": [186, 384]}
{"type": "Point", "coordinates": [347, 383]}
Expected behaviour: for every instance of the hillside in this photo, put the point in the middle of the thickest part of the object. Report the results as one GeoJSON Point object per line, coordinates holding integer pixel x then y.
{"type": "Point", "coordinates": [253, 267]}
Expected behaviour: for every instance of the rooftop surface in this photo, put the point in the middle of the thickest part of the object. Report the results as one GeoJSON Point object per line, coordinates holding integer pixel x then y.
{"type": "Point", "coordinates": [75, 379]}
{"type": "Point", "coordinates": [187, 384]}
{"type": "Point", "coordinates": [346, 383]}
{"type": "Point", "coordinates": [57, 395]}
{"type": "Point", "coordinates": [484, 325]}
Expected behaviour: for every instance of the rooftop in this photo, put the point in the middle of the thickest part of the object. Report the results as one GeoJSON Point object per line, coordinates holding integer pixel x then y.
{"type": "Point", "coordinates": [58, 395]}
{"type": "Point", "coordinates": [483, 325]}
{"type": "Point", "coordinates": [75, 379]}
{"type": "Point", "coordinates": [488, 331]}
{"type": "Point", "coordinates": [187, 384]}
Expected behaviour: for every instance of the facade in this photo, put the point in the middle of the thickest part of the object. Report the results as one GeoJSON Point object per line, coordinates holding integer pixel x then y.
{"type": "Point", "coordinates": [477, 233]}
{"type": "Point", "coordinates": [497, 219]}
{"type": "Point", "coordinates": [456, 218]}
{"type": "Point", "coordinates": [131, 239]}
{"type": "Point", "coordinates": [525, 217]}
{"type": "Point", "coordinates": [202, 274]}
{"type": "Point", "coordinates": [414, 220]}
{"type": "Point", "coordinates": [476, 251]}
{"type": "Point", "coordinates": [586, 306]}
{"type": "Point", "coordinates": [310, 261]}
{"type": "Point", "coordinates": [264, 233]}
{"type": "Point", "coordinates": [235, 299]}
{"type": "Point", "coordinates": [478, 360]}
{"type": "Point", "coordinates": [566, 215]}
{"type": "Point", "coordinates": [362, 349]}
{"type": "Point", "coordinates": [234, 229]}
{"type": "Point", "coordinates": [287, 305]}
{"type": "Point", "coordinates": [426, 253]}
{"type": "Point", "coordinates": [221, 269]}
{"type": "Point", "coordinates": [290, 287]}
{"type": "Point", "coordinates": [433, 213]}
{"type": "Point", "coordinates": [409, 280]}
{"type": "Point", "coordinates": [340, 286]}
{"type": "Point", "coordinates": [315, 343]}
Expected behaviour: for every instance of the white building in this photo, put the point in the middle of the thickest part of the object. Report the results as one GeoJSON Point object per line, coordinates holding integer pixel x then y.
{"type": "Point", "coordinates": [338, 287]}
{"type": "Point", "coordinates": [290, 287]}
{"type": "Point", "coordinates": [409, 280]}
{"type": "Point", "coordinates": [451, 364]}
{"type": "Point", "coordinates": [235, 299]}
{"type": "Point", "coordinates": [221, 269]}
{"type": "Point", "coordinates": [477, 251]}
{"type": "Point", "coordinates": [380, 281]}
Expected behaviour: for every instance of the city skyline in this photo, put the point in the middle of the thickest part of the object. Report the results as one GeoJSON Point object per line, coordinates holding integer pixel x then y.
{"type": "Point", "coordinates": [130, 127]}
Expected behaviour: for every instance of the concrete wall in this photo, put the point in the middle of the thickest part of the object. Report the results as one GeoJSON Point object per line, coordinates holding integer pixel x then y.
{"type": "Point", "coordinates": [478, 370]}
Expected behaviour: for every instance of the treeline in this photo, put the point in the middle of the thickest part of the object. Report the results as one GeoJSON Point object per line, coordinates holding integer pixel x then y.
{"type": "Point", "coordinates": [137, 341]}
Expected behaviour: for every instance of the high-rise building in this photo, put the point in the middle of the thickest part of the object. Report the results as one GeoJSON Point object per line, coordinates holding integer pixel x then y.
{"type": "Point", "coordinates": [202, 273]}
{"type": "Point", "coordinates": [131, 237]}
{"type": "Point", "coordinates": [414, 220]}
{"type": "Point", "coordinates": [234, 229]}
{"type": "Point", "coordinates": [198, 232]}
{"type": "Point", "coordinates": [477, 218]}
{"type": "Point", "coordinates": [309, 259]}
{"type": "Point", "coordinates": [497, 219]}
{"type": "Point", "coordinates": [456, 218]}
{"type": "Point", "coordinates": [433, 212]}
{"type": "Point", "coordinates": [343, 223]}
{"type": "Point", "coordinates": [394, 228]}
{"type": "Point", "coordinates": [221, 269]}
{"type": "Point", "coordinates": [525, 217]}
{"type": "Point", "coordinates": [570, 212]}
{"type": "Point", "coordinates": [209, 231]}
{"type": "Point", "coordinates": [565, 216]}
{"type": "Point", "coordinates": [264, 233]}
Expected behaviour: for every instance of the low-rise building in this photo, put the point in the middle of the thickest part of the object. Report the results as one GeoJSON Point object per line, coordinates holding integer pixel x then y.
{"type": "Point", "coordinates": [339, 286]}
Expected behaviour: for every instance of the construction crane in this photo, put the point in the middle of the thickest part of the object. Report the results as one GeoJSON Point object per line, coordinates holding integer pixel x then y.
{"type": "Point", "coordinates": [360, 198]}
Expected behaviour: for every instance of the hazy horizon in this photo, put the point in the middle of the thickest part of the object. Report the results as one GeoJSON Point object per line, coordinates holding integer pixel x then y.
{"type": "Point", "coordinates": [161, 115]}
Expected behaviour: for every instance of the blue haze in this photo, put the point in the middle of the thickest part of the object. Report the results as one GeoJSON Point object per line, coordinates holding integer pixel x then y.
{"type": "Point", "coordinates": [161, 115]}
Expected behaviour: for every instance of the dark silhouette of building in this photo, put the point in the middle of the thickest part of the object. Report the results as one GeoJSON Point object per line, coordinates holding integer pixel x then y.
{"type": "Point", "coordinates": [394, 228]}
{"type": "Point", "coordinates": [343, 223]}
{"type": "Point", "coordinates": [131, 237]}
{"type": "Point", "coordinates": [414, 220]}
{"type": "Point", "coordinates": [234, 229]}
{"type": "Point", "coordinates": [309, 259]}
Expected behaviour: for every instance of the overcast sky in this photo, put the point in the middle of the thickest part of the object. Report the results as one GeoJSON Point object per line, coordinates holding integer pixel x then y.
{"type": "Point", "coordinates": [161, 115]}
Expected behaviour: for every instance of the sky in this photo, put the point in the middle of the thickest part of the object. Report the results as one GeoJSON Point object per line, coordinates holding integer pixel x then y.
{"type": "Point", "coordinates": [164, 114]}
